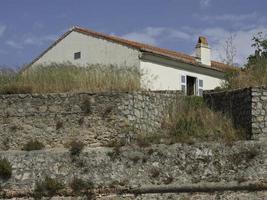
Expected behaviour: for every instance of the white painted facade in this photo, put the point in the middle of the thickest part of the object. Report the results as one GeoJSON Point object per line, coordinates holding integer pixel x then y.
{"type": "Point", "coordinates": [160, 73]}
{"type": "Point", "coordinates": [93, 51]}
{"type": "Point", "coordinates": [161, 77]}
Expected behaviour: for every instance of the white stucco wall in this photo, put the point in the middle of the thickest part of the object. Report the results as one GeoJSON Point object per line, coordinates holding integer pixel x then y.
{"type": "Point", "coordinates": [160, 77]}
{"type": "Point", "coordinates": [93, 51]}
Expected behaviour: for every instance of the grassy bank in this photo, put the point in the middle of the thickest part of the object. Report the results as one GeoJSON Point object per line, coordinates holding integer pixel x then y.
{"type": "Point", "coordinates": [70, 78]}
{"type": "Point", "coordinates": [189, 120]}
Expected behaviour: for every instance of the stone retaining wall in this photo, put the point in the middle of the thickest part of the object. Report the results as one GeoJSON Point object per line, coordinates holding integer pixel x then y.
{"type": "Point", "coordinates": [247, 107]}
{"type": "Point", "coordinates": [132, 166]}
{"type": "Point", "coordinates": [259, 112]}
{"type": "Point", "coordinates": [96, 119]}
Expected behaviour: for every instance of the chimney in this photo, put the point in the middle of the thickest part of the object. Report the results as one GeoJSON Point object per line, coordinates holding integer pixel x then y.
{"type": "Point", "coordinates": [203, 52]}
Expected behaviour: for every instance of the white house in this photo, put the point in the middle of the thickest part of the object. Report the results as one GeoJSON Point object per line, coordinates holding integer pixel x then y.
{"type": "Point", "coordinates": [173, 70]}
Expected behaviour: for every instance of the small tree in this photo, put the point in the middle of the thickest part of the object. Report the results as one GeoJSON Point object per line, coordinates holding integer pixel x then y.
{"type": "Point", "coordinates": [229, 50]}
{"type": "Point", "coordinates": [255, 71]}
{"type": "Point", "coordinates": [5, 169]}
{"type": "Point", "coordinates": [260, 54]}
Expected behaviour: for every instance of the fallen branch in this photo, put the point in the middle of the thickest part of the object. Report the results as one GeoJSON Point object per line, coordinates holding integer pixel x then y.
{"type": "Point", "coordinates": [203, 188]}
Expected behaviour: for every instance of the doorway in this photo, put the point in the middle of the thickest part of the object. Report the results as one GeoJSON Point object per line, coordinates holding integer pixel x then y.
{"type": "Point", "coordinates": [190, 85]}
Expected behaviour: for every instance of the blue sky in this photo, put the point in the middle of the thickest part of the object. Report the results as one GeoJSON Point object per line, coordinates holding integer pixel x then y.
{"type": "Point", "coordinates": [27, 27]}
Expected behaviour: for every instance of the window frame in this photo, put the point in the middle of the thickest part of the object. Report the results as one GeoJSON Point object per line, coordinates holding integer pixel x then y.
{"type": "Point", "coordinates": [77, 55]}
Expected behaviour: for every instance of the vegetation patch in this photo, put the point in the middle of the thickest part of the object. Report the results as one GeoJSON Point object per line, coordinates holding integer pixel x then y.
{"type": "Point", "coordinates": [59, 125]}
{"type": "Point", "coordinates": [5, 169]}
{"type": "Point", "coordinates": [76, 147]}
{"type": "Point", "coordinates": [33, 145]}
{"type": "Point", "coordinates": [86, 107]}
{"type": "Point", "coordinates": [244, 156]}
{"type": "Point", "coordinates": [189, 119]}
{"type": "Point", "coordinates": [116, 143]}
{"type": "Point", "coordinates": [47, 188]}
{"type": "Point", "coordinates": [115, 153]}
{"type": "Point", "coordinates": [79, 186]}
{"type": "Point", "coordinates": [154, 173]}
{"type": "Point", "coordinates": [107, 111]}
{"type": "Point", "coordinates": [254, 72]}
{"type": "Point", "coordinates": [67, 77]}
{"type": "Point", "coordinates": [145, 140]}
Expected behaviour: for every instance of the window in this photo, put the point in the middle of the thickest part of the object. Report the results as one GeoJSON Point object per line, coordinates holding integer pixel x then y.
{"type": "Point", "coordinates": [183, 79]}
{"type": "Point", "coordinates": [77, 55]}
{"type": "Point", "coordinates": [200, 83]}
{"type": "Point", "coordinates": [200, 87]}
{"type": "Point", "coordinates": [183, 83]}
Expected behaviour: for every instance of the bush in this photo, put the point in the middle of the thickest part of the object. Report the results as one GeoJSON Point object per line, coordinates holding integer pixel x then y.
{"type": "Point", "coordinates": [5, 169]}
{"type": "Point", "coordinates": [47, 187]}
{"type": "Point", "coordinates": [116, 143]}
{"type": "Point", "coordinates": [33, 145]}
{"type": "Point", "coordinates": [255, 71]}
{"type": "Point", "coordinates": [115, 153]}
{"type": "Point", "coordinates": [86, 107]}
{"type": "Point", "coordinates": [59, 125]}
{"type": "Point", "coordinates": [76, 147]}
{"type": "Point", "coordinates": [79, 185]}
{"type": "Point", "coordinates": [245, 155]}
{"type": "Point", "coordinates": [154, 173]}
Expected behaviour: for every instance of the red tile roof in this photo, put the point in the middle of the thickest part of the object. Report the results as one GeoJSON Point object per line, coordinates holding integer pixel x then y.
{"type": "Point", "coordinates": [144, 48]}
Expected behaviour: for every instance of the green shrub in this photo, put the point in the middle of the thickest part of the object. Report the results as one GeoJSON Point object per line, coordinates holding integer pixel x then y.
{"type": "Point", "coordinates": [107, 111]}
{"type": "Point", "coordinates": [86, 107]}
{"type": "Point", "coordinates": [115, 153]}
{"type": "Point", "coordinates": [59, 125]}
{"type": "Point", "coordinates": [116, 143]}
{"type": "Point", "coordinates": [33, 145]}
{"type": "Point", "coordinates": [245, 155]}
{"type": "Point", "coordinates": [145, 140]}
{"type": "Point", "coordinates": [5, 169]}
{"type": "Point", "coordinates": [76, 147]}
{"type": "Point", "coordinates": [78, 185]}
{"type": "Point", "coordinates": [154, 173]}
{"type": "Point", "coordinates": [48, 187]}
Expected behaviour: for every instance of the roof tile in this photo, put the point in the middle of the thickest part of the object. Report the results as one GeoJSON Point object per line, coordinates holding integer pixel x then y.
{"type": "Point", "coordinates": [182, 57]}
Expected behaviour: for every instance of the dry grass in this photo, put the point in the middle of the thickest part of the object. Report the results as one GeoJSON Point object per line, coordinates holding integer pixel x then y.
{"type": "Point", "coordinates": [251, 76]}
{"type": "Point", "coordinates": [70, 78]}
{"type": "Point", "coordinates": [189, 120]}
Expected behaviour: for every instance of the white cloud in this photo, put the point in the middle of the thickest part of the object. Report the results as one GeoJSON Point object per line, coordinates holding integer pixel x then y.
{"type": "Point", "coordinates": [2, 30]}
{"type": "Point", "coordinates": [216, 36]}
{"type": "Point", "coordinates": [140, 37]}
{"type": "Point", "coordinates": [148, 35]}
{"type": "Point", "coordinates": [38, 40]}
{"type": "Point", "coordinates": [242, 42]}
{"type": "Point", "coordinates": [14, 44]}
{"type": "Point", "coordinates": [204, 3]}
{"type": "Point", "coordinates": [30, 40]}
{"type": "Point", "coordinates": [179, 34]}
{"type": "Point", "coordinates": [153, 35]}
{"type": "Point", "coordinates": [230, 17]}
